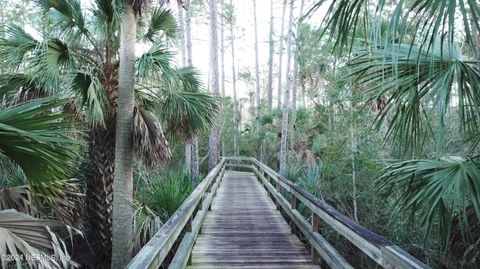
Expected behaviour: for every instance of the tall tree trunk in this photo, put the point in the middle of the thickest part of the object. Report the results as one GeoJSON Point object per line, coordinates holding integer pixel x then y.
{"type": "Point", "coordinates": [192, 144]}
{"type": "Point", "coordinates": [183, 52]}
{"type": "Point", "coordinates": [222, 61]}
{"type": "Point", "coordinates": [99, 190]}
{"type": "Point", "coordinates": [286, 101]}
{"type": "Point", "coordinates": [297, 58]}
{"type": "Point", "coordinates": [270, 61]}
{"type": "Point", "coordinates": [280, 62]}
{"type": "Point", "coordinates": [476, 40]}
{"type": "Point", "coordinates": [123, 183]}
{"type": "Point", "coordinates": [257, 85]}
{"type": "Point", "coordinates": [234, 85]}
{"type": "Point", "coordinates": [294, 82]}
{"type": "Point", "coordinates": [213, 153]}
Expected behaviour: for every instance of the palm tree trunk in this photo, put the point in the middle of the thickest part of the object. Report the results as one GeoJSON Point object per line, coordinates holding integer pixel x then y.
{"type": "Point", "coordinates": [123, 183]}
{"type": "Point", "coordinates": [99, 190]}
{"type": "Point", "coordinates": [280, 62]}
{"type": "Point", "coordinates": [270, 61]}
{"type": "Point", "coordinates": [234, 85]}
{"type": "Point", "coordinates": [213, 153]}
{"type": "Point", "coordinates": [286, 101]}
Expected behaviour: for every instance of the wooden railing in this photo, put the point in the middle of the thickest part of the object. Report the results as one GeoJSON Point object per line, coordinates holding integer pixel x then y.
{"type": "Point", "coordinates": [287, 195]}
{"type": "Point", "coordinates": [188, 219]}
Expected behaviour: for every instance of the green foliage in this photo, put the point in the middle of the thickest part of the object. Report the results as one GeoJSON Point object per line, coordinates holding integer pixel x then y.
{"type": "Point", "coordinates": [418, 78]}
{"type": "Point", "coordinates": [165, 193]}
{"type": "Point", "coordinates": [39, 141]}
{"type": "Point", "coordinates": [436, 192]}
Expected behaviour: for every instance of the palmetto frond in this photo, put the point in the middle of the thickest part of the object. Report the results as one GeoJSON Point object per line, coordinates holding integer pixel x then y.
{"type": "Point", "coordinates": [68, 15]}
{"type": "Point", "coordinates": [436, 191]}
{"type": "Point", "coordinates": [37, 139]}
{"type": "Point", "coordinates": [22, 234]}
{"type": "Point", "coordinates": [161, 22]}
{"type": "Point", "coordinates": [15, 44]}
{"type": "Point", "coordinates": [18, 198]}
{"type": "Point", "coordinates": [145, 224]}
{"type": "Point", "coordinates": [156, 64]}
{"type": "Point", "coordinates": [149, 141]}
{"type": "Point", "coordinates": [434, 20]}
{"type": "Point", "coordinates": [92, 97]}
{"type": "Point", "coordinates": [414, 81]}
{"type": "Point", "coordinates": [188, 113]}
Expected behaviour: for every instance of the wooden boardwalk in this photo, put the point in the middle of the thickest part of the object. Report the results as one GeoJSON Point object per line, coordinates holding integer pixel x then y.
{"type": "Point", "coordinates": [245, 230]}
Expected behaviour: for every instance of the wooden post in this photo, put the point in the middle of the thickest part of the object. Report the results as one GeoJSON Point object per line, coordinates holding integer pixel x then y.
{"type": "Point", "coordinates": [293, 202]}
{"type": "Point", "coordinates": [277, 187]}
{"type": "Point", "coordinates": [188, 225]}
{"type": "Point", "coordinates": [316, 259]}
{"type": "Point", "coordinates": [200, 204]}
{"type": "Point", "coordinates": [293, 206]}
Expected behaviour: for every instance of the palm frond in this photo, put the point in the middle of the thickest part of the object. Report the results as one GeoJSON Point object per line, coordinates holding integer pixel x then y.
{"type": "Point", "coordinates": [145, 224]}
{"type": "Point", "coordinates": [67, 13]}
{"type": "Point", "coordinates": [189, 79]}
{"type": "Point", "coordinates": [18, 88]}
{"type": "Point", "coordinates": [37, 140]}
{"type": "Point", "coordinates": [51, 57]}
{"type": "Point", "coordinates": [156, 64]}
{"type": "Point", "coordinates": [432, 20]}
{"type": "Point", "coordinates": [161, 22]}
{"type": "Point", "coordinates": [92, 96]}
{"type": "Point", "coordinates": [188, 113]}
{"type": "Point", "coordinates": [24, 235]}
{"type": "Point", "coordinates": [60, 198]}
{"type": "Point", "coordinates": [149, 141]}
{"type": "Point", "coordinates": [436, 191]}
{"type": "Point", "coordinates": [15, 45]}
{"type": "Point", "coordinates": [18, 198]}
{"type": "Point", "coordinates": [413, 80]}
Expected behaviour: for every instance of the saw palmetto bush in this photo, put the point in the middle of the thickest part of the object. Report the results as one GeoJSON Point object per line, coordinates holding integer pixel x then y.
{"type": "Point", "coordinates": [406, 53]}
{"type": "Point", "coordinates": [37, 155]}
{"type": "Point", "coordinates": [165, 193]}
{"type": "Point", "coordinates": [78, 57]}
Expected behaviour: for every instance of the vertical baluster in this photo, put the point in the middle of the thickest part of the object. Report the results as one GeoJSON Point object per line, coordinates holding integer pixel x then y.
{"type": "Point", "coordinates": [293, 206]}
{"type": "Point", "coordinates": [315, 227]}
{"type": "Point", "coordinates": [188, 225]}
{"type": "Point", "coordinates": [277, 187]}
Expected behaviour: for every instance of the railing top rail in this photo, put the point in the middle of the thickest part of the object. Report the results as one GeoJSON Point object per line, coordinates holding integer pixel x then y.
{"type": "Point", "coordinates": [155, 251]}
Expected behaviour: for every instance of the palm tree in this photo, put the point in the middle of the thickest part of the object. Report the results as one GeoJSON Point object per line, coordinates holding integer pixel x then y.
{"type": "Point", "coordinates": [414, 63]}
{"type": "Point", "coordinates": [79, 57]}
{"type": "Point", "coordinates": [123, 184]}
{"type": "Point", "coordinates": [37, 155]}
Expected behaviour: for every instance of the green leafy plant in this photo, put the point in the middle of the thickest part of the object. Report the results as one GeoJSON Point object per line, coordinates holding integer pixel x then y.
{"type": "Point", "coordinates": [165, 193]}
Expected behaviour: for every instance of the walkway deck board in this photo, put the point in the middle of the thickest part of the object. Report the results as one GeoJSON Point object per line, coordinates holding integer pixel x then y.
{"type": "Point", "coordinates": [245, 230]}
